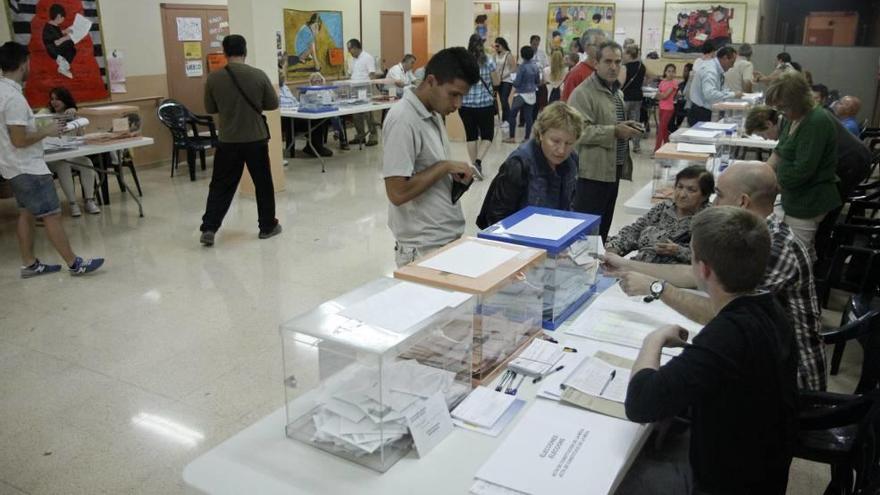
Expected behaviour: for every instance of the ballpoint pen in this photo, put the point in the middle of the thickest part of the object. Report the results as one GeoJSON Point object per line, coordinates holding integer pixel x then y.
{"type": "Point", "coordinates": [613, 373]}
{"type": "Point", "coordinates": [554, 370]}
{"type": "Point", "coordinates": [515, 389]}
{"type": "Point", "coordinates": [569, 349]}
{"type": "Point", "coordinates": [504, 378]}
{"type": "Point", "coordinates": [509, 385]}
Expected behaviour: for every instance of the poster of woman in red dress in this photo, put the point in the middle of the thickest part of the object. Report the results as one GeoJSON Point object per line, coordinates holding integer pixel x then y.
{"type": "Point", "coordinates": [64, 39]}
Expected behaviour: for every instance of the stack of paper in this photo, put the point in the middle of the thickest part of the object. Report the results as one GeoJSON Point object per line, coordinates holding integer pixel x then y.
{"type": "Point", "coordinates": [551, 386]}
{"type": "Point", "coordinates": [696, 148]}
{"type": "Point", "coordinates": [613, 317]}
{"type": "Point", "coordinates": [719, 126]}
{"type": "Point", "coordinates": [358, 417]}
{"type": "Point", "coordinates": [483, 407]}
{"type": "Point", "coordinates": [696, 133]}
{"type": "Point", "coordinates": [538, 358]}
{"type": "Point", "coordinates": [600, 379]}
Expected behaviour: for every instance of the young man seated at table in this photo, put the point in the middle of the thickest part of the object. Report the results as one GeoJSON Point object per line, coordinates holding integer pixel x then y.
{"type": "Point", "coordinates": [738, 376]}
{"type": "Point", "coordinates": [789, 274]}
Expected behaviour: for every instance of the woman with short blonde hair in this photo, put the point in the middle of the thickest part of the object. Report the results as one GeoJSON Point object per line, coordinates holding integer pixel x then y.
{"type": "Point", "coordinates": [540, 172]}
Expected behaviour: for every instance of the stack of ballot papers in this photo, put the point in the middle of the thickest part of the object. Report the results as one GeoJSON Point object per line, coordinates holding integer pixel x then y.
{"type": "Point", "coordinates": [537, 359]}
{"type": "Point", "coordinates": [616, 318]}
{"type": "Point", "coordinates": [486, 411]}
{"type": "Point", "coordinates": [695, 148]}
{"type": "Point", "coordinates": [718, 126]}
{"type": "Point", "coordinates": [699, 134]}
{"type": "Point", "coordinates": [358, 417]}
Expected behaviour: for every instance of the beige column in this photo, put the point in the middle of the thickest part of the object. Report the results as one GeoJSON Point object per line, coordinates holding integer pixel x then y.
{"type": "Point", "coordinates": [459, 28]}
{"type": "Point", "coordinates": [257, 21]}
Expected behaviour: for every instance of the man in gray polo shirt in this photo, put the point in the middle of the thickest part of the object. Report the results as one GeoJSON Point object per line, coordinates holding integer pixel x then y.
{"type": "Point", "coordinates": [418, 174]}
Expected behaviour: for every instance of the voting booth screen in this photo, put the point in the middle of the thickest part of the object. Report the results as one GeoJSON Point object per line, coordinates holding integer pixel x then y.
{"type": "Point", "coordinates": [65, 50]}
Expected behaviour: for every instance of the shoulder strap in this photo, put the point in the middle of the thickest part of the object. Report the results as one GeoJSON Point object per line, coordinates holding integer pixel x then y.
{"type": "Point", "coordinates": [241, 91]}
{"type": "Point", "coordinates": [483, 81]}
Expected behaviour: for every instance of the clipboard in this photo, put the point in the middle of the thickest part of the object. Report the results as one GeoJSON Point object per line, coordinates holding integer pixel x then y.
{"type": "Point", "coordinates": [607, 407]}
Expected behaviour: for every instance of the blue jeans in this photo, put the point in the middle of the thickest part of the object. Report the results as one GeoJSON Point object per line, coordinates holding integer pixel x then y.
{"type": "Point", "coordinates": [520, 104]}
{"type": "Point", "coordinates": [36, 194]}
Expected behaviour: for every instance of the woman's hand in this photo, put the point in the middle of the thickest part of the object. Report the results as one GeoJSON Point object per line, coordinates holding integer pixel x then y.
{"type": "Point", "coordinates": [667, 248]}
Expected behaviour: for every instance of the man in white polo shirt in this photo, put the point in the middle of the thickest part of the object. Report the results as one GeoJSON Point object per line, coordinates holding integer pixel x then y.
{"type": "Point", "coordinates": [23, 165]}
{"type": "Point", "coordinates": [424, 213]}
{"type": "Point", "coordinates": [362, 68]}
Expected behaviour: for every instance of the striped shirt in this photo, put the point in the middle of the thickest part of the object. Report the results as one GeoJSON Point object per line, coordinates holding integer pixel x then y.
{"type": "Point", "coordinates": [622, 144]}
{"type": "Point", "coordinates": [789, 277]}
{"type": "Point", "coordinates": [479, 96]}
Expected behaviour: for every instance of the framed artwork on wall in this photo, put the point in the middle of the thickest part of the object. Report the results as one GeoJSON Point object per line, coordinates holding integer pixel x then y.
{"type": "Point", "coordinates": [487, 22]}
{"type": "Point", "coordinates": [314, 43]}
{"type": "Point", "coordinates": [66, 47]}
{"type": "Point", "coordinates": [568, 21]}
{"type": "Point", "coordinates": [687, 26]}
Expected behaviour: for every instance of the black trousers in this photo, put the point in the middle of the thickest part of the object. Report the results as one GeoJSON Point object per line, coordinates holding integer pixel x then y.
{"type": "Point", "coordinates": [597, 198]}
{"type": "Point", "coordinates": [229, 162]}
{"type": "Point", "coordinates": [698, 114]}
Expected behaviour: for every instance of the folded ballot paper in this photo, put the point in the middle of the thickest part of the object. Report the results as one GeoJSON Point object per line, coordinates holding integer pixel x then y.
{"type": "Point", "coordinates": [353, 417]}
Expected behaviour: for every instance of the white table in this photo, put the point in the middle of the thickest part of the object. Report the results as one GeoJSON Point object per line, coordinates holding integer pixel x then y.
{"type": "Point", "coordinates": [343, 110]}
{"type": "Point", "coordinates": [260, 459]}
{"type": "Point", "coordinates": [103, 170]}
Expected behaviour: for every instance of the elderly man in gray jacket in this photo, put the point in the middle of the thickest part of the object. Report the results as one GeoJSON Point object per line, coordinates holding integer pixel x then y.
{"type": "Point", "coordinates": [604, 145]}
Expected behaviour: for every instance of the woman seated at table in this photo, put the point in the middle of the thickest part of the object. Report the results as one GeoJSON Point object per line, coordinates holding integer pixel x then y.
{"type": "Point", "coordinates": [663, 235]}
{"type": "Point", "coordinates": [61, 103]}
{"type": "Point", "coordinates": [540, 172]}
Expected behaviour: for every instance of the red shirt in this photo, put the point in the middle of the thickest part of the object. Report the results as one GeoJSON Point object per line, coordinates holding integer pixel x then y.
{"type": "Point", "coordinates": [578, 74]}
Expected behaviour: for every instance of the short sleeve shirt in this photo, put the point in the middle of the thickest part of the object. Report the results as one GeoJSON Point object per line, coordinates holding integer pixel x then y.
{"type": "Point", "coordinates": [362, 66]}
{"type": "Point", "coordinates": [742, 71]}
{"type": "Point", "coordinates": [414, 139]}
{"type": "Point", "coordinates": [14, 110]}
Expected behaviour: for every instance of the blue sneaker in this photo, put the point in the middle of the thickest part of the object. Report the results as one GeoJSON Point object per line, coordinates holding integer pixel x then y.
{"type": "Point", "coordinates": [38, 269]}
{"type": "Point", "coordinates": [81, 267]}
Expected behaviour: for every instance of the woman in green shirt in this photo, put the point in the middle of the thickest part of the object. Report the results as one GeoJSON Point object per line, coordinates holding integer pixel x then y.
{"type": "Point", "coordinates": [805, 159]}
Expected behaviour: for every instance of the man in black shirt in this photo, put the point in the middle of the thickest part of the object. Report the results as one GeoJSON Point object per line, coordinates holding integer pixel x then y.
{"type": "Point", "coordinates": [739, 375]}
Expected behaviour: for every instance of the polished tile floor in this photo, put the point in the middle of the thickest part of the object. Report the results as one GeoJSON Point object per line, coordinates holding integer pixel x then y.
{"type": "Point", "coordinates": [114, 382]}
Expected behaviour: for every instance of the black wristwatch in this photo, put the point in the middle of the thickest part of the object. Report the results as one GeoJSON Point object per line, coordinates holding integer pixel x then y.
{"type": "Point", "coordinates": [656, 288]}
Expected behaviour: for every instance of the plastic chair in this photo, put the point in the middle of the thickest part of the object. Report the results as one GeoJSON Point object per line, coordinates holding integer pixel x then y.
{"type": "Point", "coordinates": [841, 430]}
{"type": "Point", "coordinates": [184, 127]}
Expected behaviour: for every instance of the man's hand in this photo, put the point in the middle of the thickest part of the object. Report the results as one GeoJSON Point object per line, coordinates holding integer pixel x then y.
{"type": "Point", "coordinates": [54, 129]}
{"type": "Point", "coordinates": [758, 76]}
{"type": "Point", "coordinates": [635, 284]}
{"type": "Point", "coordinates": [669, 336]}
{"type": "Point", "coordinates": [460, 171]}
{"type": "Point", "coordinates": [667, 248]}
{"type": "Point", "coordinates": [613, 263]}
{"type": "Point", "coordinates": [624, 131]}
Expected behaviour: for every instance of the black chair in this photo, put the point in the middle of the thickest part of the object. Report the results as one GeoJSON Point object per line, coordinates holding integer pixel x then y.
{"type": "Point", "coordinates": [841, 430]}
{"type": "Point", "coordinates": [862, 323]}
{"type": "Point", "coordinates": [185, 134]}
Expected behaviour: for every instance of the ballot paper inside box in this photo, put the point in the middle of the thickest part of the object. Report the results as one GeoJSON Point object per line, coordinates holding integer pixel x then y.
{"type": "Point", "coordinates": [668, 162]}
{"type": "Point", "coordinates": [572, 242]}
{"type": "Point", "coordinates": [509, 296]}
{"type": "Point", "coordinates": [358, 366]}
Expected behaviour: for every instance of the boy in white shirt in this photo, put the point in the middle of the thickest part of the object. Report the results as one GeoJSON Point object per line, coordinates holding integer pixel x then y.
{"type": "Point", "coordinates": [22, 163]}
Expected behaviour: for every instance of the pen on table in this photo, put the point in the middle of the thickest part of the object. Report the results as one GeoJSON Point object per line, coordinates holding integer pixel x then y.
{"type": "Point", "coordinates": [504, 378]}
{"type": "Point", "coordinates": [550, 339]}
{"type": "Point", "coordinates": [569, 349]}
{"type": "Point", "coordinates": [509, 385]}
{"type": "Point", "coordinates": [554, 370]}
{"type": "Point", "coordinates": [613, 373]}
{"type": "Point", "coordinates": [515, 389]}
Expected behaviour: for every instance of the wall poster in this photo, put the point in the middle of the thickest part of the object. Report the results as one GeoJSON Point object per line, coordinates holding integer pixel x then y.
{"type": "Point", "coordinates": [567, 21]}
{"type": "Point", "coordinates": [66, 47]}
{"type": "Point", "coordinates": [314, 43]}
{"type": "Point", "coordinates": [688, 25]}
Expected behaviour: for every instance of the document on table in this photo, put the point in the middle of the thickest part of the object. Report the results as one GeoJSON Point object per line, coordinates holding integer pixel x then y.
{"type": "Point", "coordinates": [470, 259]}
{"type": "Point", "coordinates": [483, 407]}
{"type": "Point", "coordinates": [81, 27]}
{"type": "Point", "coordinates": [429, 423]}
{"type": "Point", "coordinates": [499, 425]}
{"type": "Point", "coordinates": [696, 148]}
{"type": "Point", "coordinates": [538, 358]}
{"type": "Point", "coordinates": [402, 306]}
{"type": "Point", "coordinates": [544, 226]}
{"type": "Point", "coordinates": [696, 133]}
{"type": "Point", "coordinates": [560, 449]}
{"type": "Point", "coordinates": [600, 379]}
{"type": "Point", "coordinates": [720, 126]}
{"type": "Point", "coordinates": [550, 385]}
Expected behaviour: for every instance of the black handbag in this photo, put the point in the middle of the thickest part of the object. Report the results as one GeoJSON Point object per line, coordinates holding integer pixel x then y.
{"type": "Point", "coordinates": [249, 102]}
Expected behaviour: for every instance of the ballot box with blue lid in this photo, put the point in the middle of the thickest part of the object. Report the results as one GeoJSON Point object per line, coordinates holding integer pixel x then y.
{"type": "Point", "coordinates": [507, 281]}
{"type": "Point", "coordinates": [571, 240]}
{"type": "Point", "coordinates": [357, 367]}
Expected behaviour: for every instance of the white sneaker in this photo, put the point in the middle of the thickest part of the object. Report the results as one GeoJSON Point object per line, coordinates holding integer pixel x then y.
{"type": "Point", "coordinates": [74, 210]}
{"type": "Point", "coordinates": [92, 207]}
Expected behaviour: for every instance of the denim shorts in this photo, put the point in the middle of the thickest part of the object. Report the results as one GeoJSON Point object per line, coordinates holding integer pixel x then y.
{"type": "Point", "coordinates": [36, 194]}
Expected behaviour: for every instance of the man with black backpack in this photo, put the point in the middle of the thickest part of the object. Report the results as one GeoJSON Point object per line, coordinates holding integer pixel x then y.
{"type": "Point", "coordinates": [239, 94]}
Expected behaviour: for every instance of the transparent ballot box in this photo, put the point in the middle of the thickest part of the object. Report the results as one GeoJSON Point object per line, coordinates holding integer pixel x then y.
{"type": "Point", "coordinates": [317, 99]}
{"type": "Point", "coordinates": [733, 112]}
{"type": "Point", "coordinates": [571, 240]}
{"type": "Point", "coordinates": [355, 92]}
{"type": "Point", "coordinates": [508, 282]}
{"type": "Point", "coordinates": [668, 162]}
{"type": "Point", "coordinates": [358, 366]}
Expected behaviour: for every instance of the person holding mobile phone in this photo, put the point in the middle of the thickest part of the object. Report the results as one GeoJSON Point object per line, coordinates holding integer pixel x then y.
{"type": "Point", "coordinates": [603, 148]}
